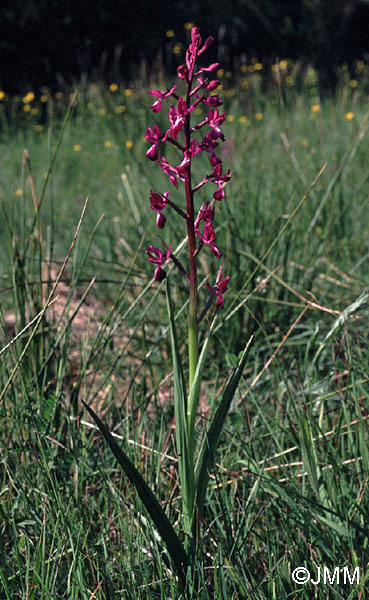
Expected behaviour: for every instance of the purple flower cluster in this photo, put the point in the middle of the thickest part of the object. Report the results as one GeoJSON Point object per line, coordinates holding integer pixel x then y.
{"type": "Point", "coordinates": [200, 90]}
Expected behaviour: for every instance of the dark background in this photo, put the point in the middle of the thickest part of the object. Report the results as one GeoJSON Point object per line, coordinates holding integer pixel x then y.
{"type": "Point", "coordinates": [49, 42]}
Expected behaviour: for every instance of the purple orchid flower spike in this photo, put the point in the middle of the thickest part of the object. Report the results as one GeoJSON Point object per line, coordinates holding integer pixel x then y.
{"type": "Point", "coordinates": [200, 88]}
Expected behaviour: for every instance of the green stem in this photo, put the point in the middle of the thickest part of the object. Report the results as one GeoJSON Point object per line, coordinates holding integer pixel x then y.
{"type": "Point", "coordinates": [193, 343]}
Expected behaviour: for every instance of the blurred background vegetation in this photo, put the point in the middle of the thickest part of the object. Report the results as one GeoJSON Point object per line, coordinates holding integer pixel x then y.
{"type": "Point", "coordinates": [51, 42]}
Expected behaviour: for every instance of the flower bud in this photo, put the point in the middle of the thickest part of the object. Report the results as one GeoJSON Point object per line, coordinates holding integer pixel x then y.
{"type": "Point", "coordinates": [219, 193]}
{"type": "Point", "coordinates": [152, 153]}
{"type": "Point", "coordinates": [160, 220]}
{"type": "Point", "coordinates": [159, 274]}
{"type": "Point", "coordinates": [213, 85]}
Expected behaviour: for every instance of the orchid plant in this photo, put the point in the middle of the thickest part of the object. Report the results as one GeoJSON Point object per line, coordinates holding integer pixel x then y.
{"type": "Point", "coordinates": [190, 140]}
{"type": "Point", "coordinates": [200, 89]}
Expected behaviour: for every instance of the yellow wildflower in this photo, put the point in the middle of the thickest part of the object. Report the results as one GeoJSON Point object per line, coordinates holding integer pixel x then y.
{"type": "Point", "coordinates": [101, 112]}
{"type": "Point", "coordinates": [34, 111]}
{"type": "Point", "coordinates": [39, 128]}
{"type": "Point", "coordinates": [354, 83]}
{"type": "Point", "coordinates": [129, 144]}
{"type": "Point", "coordinates": [58, 95]}
{"type": "Point", "coordinates": [128, 92]}
{"type": "Point", "coordinates": [19, 192]}
{"type": "Point", "coordinates": [26, 108]}
{"type": "Point", "coordinates": [177, 48]}
{"type": "Point", "coordinates": [120, 109]}
{"type": "Point", "coordinates": [170, 33]}
{"type": "Point", "coordinates": [108, 144]}
{"type": "Point", "coordinates": [77, 147]}
{"type": "Point", "coordinates": [189, 25]}
{"type": "Point", "coordinates": [349, 116]}
{"type": "Point", "coordinates": [283, 64]}
{"type": "Point", "coordinates": [230, 118]}
{"type": "Point", "coordinates": [43, 98]}
{"type": "Point", "coordinates": [228, 74]}
{"type": "Point", "coordinates": [258, 66]}
{"type": "Point", "coordinates": [315, 108]}
{"type": "Point", "coordinates": [244, 120]}
{"type": "Point", "coordinates": [28, 97]}
{"type": "Point", "coordinates": [259, 116]}
{"type": "Point", "coordinates": [243, 68]}
{"type": "Point", "coordinates": [220, 72]}
{"type": "Point", "coordinates": [113, 87]}
{"type": "Point", "coordinates": [2, 95]}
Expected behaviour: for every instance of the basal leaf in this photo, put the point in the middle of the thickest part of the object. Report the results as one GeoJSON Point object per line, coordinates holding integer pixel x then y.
{"type": "Point", "coordinates": [161, 521]}
{"type": "Point", "coordinates": [211, 438]}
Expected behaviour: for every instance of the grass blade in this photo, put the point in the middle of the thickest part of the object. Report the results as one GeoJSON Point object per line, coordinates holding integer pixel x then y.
{"type": "Point", "coordinates": [161, 521]}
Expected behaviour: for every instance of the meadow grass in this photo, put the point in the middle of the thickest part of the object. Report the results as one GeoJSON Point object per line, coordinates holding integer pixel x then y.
{"type": "Point", "coordinates": [289, 483]}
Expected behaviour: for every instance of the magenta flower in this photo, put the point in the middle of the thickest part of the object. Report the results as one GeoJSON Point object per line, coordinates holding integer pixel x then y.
{"type": "Point", "coordinates": [214, 120]}
{"type": "Point", "coordinates": [206, 213]}
{"type": "Point", "coordinates": [182, 72]}
{"type": "Point", "coordinates": [213, 85]}
{"type": "Point", "coordinates": [169, 170]}
{"type": "Point", "coordinates": [158, 203]}
{"type": "Point", "coordinates": [157, 106]}
{"type": "Point", "coordinates": [219, 179]}
{"type": "Point", "coordinates": [210, 69]}
{"type": "Point", "coordinates": [208, 236]}
{"type": "Point", "coordinates": [220, 287]}
{"type": "Point", "coordinates": [212, 101]}
{"type": "Point", "coordinates": [208, 144]}
{"type": "Point", "coordinates": [158, 257]}
{"type": "Point", "coordinates": [177, 116]}
{"type": "Point", "coordinates": [209, 40]}
{"type": "Point", "coordinates": [155, 137]}
{"type": "Point", "coordinates": [184, 166]}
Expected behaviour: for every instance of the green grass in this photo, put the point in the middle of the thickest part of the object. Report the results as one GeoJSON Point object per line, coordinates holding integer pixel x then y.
{"type": "Point", "coordinates": [289, 485]}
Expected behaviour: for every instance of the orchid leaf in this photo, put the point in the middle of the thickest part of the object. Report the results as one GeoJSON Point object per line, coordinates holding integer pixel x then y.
{"type": "Point", "coordinates": [161, 521]}
{"type": "Point", "coordinates": [180, 410]}
{"type": "Point", "coordinates": [211, 439]}
{"type": "Point", "coordinates": [193, 398]}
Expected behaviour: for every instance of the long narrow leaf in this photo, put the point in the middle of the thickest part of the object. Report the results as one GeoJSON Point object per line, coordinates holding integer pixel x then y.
{"type": "Point", "coordinates": [211, 438]}
{"type": "Point", "coordinates": [161, 521]}
{"type": "Point", "coordinates": [308, 454]}
{"type": "Point", "coordinates": [180, 410]}
{"type": "Point", "coordinates": [193, 397]}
